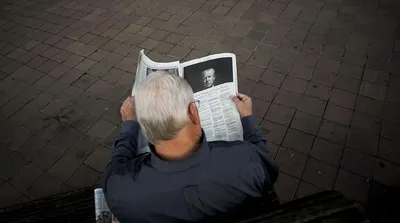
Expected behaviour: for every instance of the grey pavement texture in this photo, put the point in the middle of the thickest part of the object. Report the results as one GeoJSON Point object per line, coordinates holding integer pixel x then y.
{"type": "Point", "coordinates": [324, 76]}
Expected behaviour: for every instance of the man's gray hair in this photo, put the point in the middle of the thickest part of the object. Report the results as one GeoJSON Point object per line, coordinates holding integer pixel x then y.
{"type": "Point", "coordinates": [162, 103]}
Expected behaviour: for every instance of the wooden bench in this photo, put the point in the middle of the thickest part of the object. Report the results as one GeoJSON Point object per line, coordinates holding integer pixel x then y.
{"type": "Point", "coordinates": [78, 207]}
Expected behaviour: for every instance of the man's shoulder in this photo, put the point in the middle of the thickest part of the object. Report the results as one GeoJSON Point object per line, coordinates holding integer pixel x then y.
{"type": "Point", "coordinates": [238, 148]}
{"type": "Point", "coordinates": [237, 144]}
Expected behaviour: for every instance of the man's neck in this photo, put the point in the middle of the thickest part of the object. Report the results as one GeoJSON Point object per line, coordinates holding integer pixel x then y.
{"type": "Point", "coordinates": [180, 147]}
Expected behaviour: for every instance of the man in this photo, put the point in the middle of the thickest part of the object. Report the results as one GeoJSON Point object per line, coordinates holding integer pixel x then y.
{"type": "Point", "coordinates": [184, 178]}
{"type": "Point", "coordinates": [208, 78]}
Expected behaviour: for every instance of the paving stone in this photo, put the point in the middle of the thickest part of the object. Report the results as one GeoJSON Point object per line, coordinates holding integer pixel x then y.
{"type": "Point", "coordinates": [11, 164]}
{"type": "Point", "coordinates": [50, 52]}
{"type": "Point", "coordinates": [304, 189]}
{"type": "Point", "coordinates": [390, 130]}
{"type": "Point", "coordinates": [352, 186]}
{"type": "Point", "coordinates": [347, 84]}
{"type": "Point", "coordinates": [47, 157]}
{"type": "Point", "coordinates": [349, 70]}
{"type": "Point", "coordinates": [98, 41]}
{"type": "Point", "coordinates": [101, 130]}
{"type": "Point", "coordinates": [306, 122]}
{"type": "Point", "coordinates": [327, 152]}
{"type": "Point", "coordinates": [112, 58]}
{"type": "Point", "coordinates": [84, 176]}
{"type": "Point", "coordinates": [343, 98]}
{"type": "Point", "coordinates": [99, 54]}
{"type": "Point", "coordinates": [389, 150]}
{"type": "Point", "coordinates": [260, 59]}
{"type": "Point", "coordinates": [115, 94]}
{"type": "Point", "coordinates": [248, 44]}
{"type": "Point", "coordinates": [318, 91]}
{"type": "Point", "coordinates": [363, 141]}
{"type": "Point", "coordinates": [46, 185]}
{"type": "Point", "coordinates": [358, 163]}
{"type": "Point", "coordinates": [85, 64]}
{"type": "Point", "coordinates": [366, 123]}
{"type": "Point", "coordinates": [377, 77]}
{"type": "Point", "coordinates": [73, 60]}
{"type": "Point", "coordinates": [291, 162]}
{"type": "Point", "coordinates": [100, 69]}
{"type": "Point", "coordinates": [179, 52]}
{"type": "Point", "coordinates": [109, 141]}
{"type": "Point", "coordinates": [10, 108]}
{"type": "Point", "coordinates": [324, 77]}
{"type": "Point", "coordinates": [333, 132]}
{"type": "Point", "coordinates": [164, 48]}
{"type": "Point", "coordinates": [302, 72]}
{"type": "Point", "coordinates": [272, 78]}
{"type": "Point", "coordinates": [294, 84]}
{"type": "Point", "coordinates": [59, 71]}
{"type": "Point", "coordinates": [338, 114]}
{"type": "Point", "coordinates": [47, 66]}
{"type": "Point", "coordinates": [286, 186]}
{"type": "Point", "coordinates": [298, 141]}
{"type": "Point", "coordinates": [263, 91]}
{"type": "Point", "coordinates": [312, 106]}
{"type": "Point", "coordinates": [260, 107]}
{"type": "Point", "coordinates": [369, 106]}
{"type": "Point", "coordinates": [251, 72]}
{"type": "Point", "coordinates": [372, 90]}
{"type": "Point", "coordinates": [99, 159]}
{"type": "Point", "coordinates": [280, 114]}
{"type": "Point", "coordinates": [321, 174]}
{"type": "Point", "coordinates": [288, 98]}
{"type": "Point", "coordinates": [32, 146]}
{"type": "Point", "coordinates": [12, 86]}
{"type": "Point", "coordinates": [280, 65]}
{"type": "Point", "coordinates": [25, 177]}
{"type": "Point", "coordinates": [8, 195]}
{"type": "Point", "coordinates": [113, 75]}
{"type": "Point", "coordinates": [246, 85]}
{"type": "Point", "coordinates": [65, 139]}
{"type": "Point", "coordinates": [111, 45]}
{"type": "Point", "coordinates": [274, 132]}
{"type": "Point", "coordinates": [386, 173]}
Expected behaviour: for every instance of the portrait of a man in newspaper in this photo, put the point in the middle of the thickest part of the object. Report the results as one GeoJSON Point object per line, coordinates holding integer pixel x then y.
{"type": "Point", "coordinates": [208, 77]}
{"type": "Point", "coordinates": [209, 73]}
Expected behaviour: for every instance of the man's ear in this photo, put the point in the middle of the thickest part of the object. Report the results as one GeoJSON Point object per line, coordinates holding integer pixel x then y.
{"type": "Point", "coordinates": [194, 114]}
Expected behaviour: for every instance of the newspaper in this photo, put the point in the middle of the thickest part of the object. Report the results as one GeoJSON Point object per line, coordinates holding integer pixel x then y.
{"type": "Point", "coordinates": [103, 213]}
{"type": "Point", "coordinates": [214, 81]}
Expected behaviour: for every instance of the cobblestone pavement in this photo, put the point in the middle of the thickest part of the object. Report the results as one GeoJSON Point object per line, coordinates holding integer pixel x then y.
{"type": "Point", "coordinates": [322, 73]}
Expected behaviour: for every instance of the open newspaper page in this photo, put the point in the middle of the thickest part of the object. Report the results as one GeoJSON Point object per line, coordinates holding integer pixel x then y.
{"type": "Point", "coordinates": [214, 81]}
{"type": "Point", "coordinates": [103, 213]}
{"type": "Point", "coordinates": [146, 66]}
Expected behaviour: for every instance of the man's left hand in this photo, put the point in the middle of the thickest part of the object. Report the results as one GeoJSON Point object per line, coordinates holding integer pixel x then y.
{"type": "Point", "coordinates": [128, 111]}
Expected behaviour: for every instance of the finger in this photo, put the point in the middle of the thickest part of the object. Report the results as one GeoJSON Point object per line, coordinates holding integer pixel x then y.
{"type": "Point", "coordinates": [235, 99]}
{"type": "Point", "coordinates": [242, 97]}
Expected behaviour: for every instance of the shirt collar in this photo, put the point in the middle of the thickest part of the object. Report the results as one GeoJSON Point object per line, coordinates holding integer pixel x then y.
{"type": "Point", "coordinates": [195, 158]}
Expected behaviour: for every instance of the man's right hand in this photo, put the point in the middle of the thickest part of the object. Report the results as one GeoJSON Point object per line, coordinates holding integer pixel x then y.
{"type": "Point", "coordinates": [128, 109]}
{"type": "Point", "coordinates": [243, 104]}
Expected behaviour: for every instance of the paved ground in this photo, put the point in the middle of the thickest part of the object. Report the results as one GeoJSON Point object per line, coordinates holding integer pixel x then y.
{"type": "Point", "coordinates": [322, 74]}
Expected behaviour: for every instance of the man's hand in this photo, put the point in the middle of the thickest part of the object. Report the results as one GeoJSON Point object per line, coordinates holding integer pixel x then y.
{"type": "Point", "coordinates": [128, 111]}
{"type": "Point", "coordinates": [243, 104]}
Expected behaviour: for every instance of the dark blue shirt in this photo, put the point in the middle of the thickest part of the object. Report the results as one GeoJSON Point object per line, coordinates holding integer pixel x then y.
{"type": "Point", "coordinates": [214, 180]}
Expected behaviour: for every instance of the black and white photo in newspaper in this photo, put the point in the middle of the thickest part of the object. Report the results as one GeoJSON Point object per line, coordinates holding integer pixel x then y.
{"type": "Point", "coordinates": [214, 81]}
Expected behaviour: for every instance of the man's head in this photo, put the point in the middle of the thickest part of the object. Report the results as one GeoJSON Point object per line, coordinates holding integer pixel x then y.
{"type": "Point", "coordinates": [165, 106]}
{"type": "Point", "coordinates": [208, 77]}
